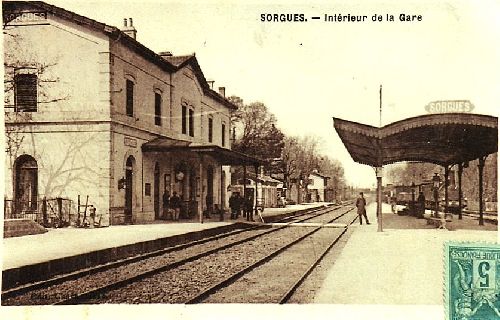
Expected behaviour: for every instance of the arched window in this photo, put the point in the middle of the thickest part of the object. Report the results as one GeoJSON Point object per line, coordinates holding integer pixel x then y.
{"type": "Point", "coordinates": [26, 184]}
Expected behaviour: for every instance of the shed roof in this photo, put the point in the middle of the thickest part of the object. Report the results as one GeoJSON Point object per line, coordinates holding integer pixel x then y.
{"type": "Point", "coordinates": [223, 155]}
{"type": "Point", "coordinates": [443, 139]}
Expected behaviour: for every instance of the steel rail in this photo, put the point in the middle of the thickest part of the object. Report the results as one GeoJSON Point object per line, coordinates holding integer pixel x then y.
{"type": "Point", "coordinates": [25, 288]}
{"type": "Point", "coordinates": [286, 297]}
{"type": "Point", "coordinates": [99, 291]}
{"type": "Point", "coordinates": [235, 276]}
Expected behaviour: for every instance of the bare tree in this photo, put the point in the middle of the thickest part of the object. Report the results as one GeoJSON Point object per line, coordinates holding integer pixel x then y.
{"type": "Point", "coordinates": [71, 167]}
{"type": "Point", "coordinates": [17, 56]}
{"type": "Point", "coordinates": [412, 172]}
{"type": "Point", "coordinates": [332, 168]}
{"type": "Point", "coordinates": [255, 132]}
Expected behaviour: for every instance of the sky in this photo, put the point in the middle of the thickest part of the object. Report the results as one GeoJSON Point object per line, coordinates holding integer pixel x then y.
{"type": "Point", "coordinates": [308, 72]}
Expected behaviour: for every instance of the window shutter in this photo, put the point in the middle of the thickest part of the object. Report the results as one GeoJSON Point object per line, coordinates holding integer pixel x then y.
{"type": "Point", "coordinates": [157, 109]}
{"type": "Point", "coordinates": [26, 92]}
{"type": "Point", "coordinates": [130, 98]}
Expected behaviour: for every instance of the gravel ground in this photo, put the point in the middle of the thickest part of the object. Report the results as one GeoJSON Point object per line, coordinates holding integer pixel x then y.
{"type": "Point", "coordinates": [307, 291]}
{"type": "Point", "coordinates": [67, 289]}
{"type": "Point", "coordinates": [180, 284]}
{"type": "Point", "coordinates": [269, 282]}
{"type": "Point", "coordinates": [215, 266]}
{"type": "Point", "coordinates": [177, 286]}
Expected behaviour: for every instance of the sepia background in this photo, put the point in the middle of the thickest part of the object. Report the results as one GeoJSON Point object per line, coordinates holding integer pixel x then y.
{"type": "Point", "coordinates": [308, 72]}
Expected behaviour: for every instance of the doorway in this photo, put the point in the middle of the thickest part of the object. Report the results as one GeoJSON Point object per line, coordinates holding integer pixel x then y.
{"type": "Point", "coordinates": [210, 189]}
{"type": "Point", "coordinates": [156, 191]}
{"type": "Point", "coordinates": [26, 184]}
{"type": "Point", "coordinates": [129, 183]}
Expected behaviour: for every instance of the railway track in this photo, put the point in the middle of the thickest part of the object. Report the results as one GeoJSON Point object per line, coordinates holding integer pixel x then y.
{"type": "Point", "coordinates": [210, 272]}
{"type": "Point", "coordinates": [86, 284]}
{"type": "Point", "coordinates": [276, 277]}
{"type": "Point", "coordinates": [487, 217]}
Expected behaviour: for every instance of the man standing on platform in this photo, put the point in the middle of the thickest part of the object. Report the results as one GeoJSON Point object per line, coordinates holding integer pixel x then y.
{"type": "Point", "coordinates": [361, 204]}
{"type": "Point", "coordinates": [234, 204]}
{"type": "Point", "coordinates": [166, 205]}
{"type": "Point", "coordinates": [248, 207]}
{"type": "Point", "coordinates": [175, 203]}
{"type": "Point", "coordinates": [421, 205]}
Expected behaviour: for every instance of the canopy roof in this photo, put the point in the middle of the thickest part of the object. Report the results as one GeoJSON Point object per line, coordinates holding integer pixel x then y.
{"type": "Point", "coordinates": [223, 155]}
{"type": "Point", "coordinates": [443, 139]}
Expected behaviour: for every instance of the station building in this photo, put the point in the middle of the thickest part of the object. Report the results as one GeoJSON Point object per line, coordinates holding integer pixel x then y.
{"type": "Point", "coordinates": [316, 187]}
{"type": "Point", "coordinates": [90, 111]}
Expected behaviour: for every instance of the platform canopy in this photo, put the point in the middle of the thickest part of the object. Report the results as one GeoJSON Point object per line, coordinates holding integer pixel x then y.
{"type": "Point", "coordinates": [223, 155]}
{"type": "Point", "coordinates": [444, 139]}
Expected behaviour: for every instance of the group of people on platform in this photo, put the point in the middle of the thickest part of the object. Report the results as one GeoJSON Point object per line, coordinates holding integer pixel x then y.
{"type": "Point", "coordinates": [171, 205]}
{"type": "Point", "coordinates": [237, 203]}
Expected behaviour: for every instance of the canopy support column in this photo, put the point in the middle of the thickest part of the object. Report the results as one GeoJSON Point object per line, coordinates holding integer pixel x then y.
{"type": "Point", "coordinates": [481, 167]}
{"type": "Point", "coordinates": [378, 172]}
{"type": "Point", "coordinates": [200, 204]}
{"type": "Point", "coordinates": [446, 184]}
{"type": "Point", "coordinates": [460, 195]}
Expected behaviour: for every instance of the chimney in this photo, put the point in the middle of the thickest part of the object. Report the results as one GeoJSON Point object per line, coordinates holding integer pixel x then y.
{"type": "Point", "coordinates": [128, 28]}
{"type": "Point", "coordinates": [211, 84]}
{"type": "Point", "coordinates": [165, 54]}
{"type": "Point", "coordinates": [222, 91]}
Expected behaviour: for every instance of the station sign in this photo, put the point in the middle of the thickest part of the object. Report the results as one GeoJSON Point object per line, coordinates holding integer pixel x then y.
{"type": "Point", "coordinates": [449, 106]}
{"type": "Point", "coordinates": [19, 17]}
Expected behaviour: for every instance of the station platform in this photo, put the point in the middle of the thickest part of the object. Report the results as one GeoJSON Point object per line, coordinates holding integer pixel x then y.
{"type": "Point", "coordinates": [31, 257]}
{"type": "Point", "coordinates": [403, 265]}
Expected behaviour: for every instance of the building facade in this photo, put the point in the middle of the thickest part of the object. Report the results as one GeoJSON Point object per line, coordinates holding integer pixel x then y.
{"type": "Point", "coordinates": [316, 187]}
{"type": "Point", "coordinates": [90, 111]}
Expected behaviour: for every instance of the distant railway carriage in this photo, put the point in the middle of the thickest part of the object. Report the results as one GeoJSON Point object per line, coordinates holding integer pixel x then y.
{"type": "Point", "coordinates": [403, 198]}
{"type": "Point", "coordinates": [404, 195]}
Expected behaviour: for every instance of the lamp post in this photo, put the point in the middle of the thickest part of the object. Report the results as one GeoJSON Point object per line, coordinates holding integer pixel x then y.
{"type": "Point", "coordinates": [435, 183]}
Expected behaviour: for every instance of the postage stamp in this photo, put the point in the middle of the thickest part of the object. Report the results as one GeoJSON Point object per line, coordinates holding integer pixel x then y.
{"type": "Point", "coordinates": [472, 281]}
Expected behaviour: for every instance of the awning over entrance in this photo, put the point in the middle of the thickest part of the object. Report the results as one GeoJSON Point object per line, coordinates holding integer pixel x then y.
{"type": "Point", "coordinates": [223, 155]}
{"type": "Point", "coordinates": [443, 139]}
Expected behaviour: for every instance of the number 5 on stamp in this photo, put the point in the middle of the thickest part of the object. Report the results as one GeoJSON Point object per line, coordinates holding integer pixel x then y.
{"type": "Point", "coordinates": [484, 274]}
{"type": "Point", "coordinates": [472, 281]}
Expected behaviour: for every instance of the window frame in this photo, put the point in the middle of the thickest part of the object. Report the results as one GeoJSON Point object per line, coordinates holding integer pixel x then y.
{"type": "Point", "coordinates": [210, 129]}
{"type": "Point", "coordinates": [191, 122]}
{"type": "Point", "coordinates": [184, 122]}
{"type": "Point", "coordinates": [223, 134]}
{"type": "Point", "coordinates": [158, 106]}
{"type": "Point", "coordinates": [31, 102]}
{"type": "Point", "coordinates": [129, 97]}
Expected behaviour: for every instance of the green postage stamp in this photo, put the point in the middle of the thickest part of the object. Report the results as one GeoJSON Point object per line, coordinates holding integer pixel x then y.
{"type": "Point", "coordinates": [472, 281]}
